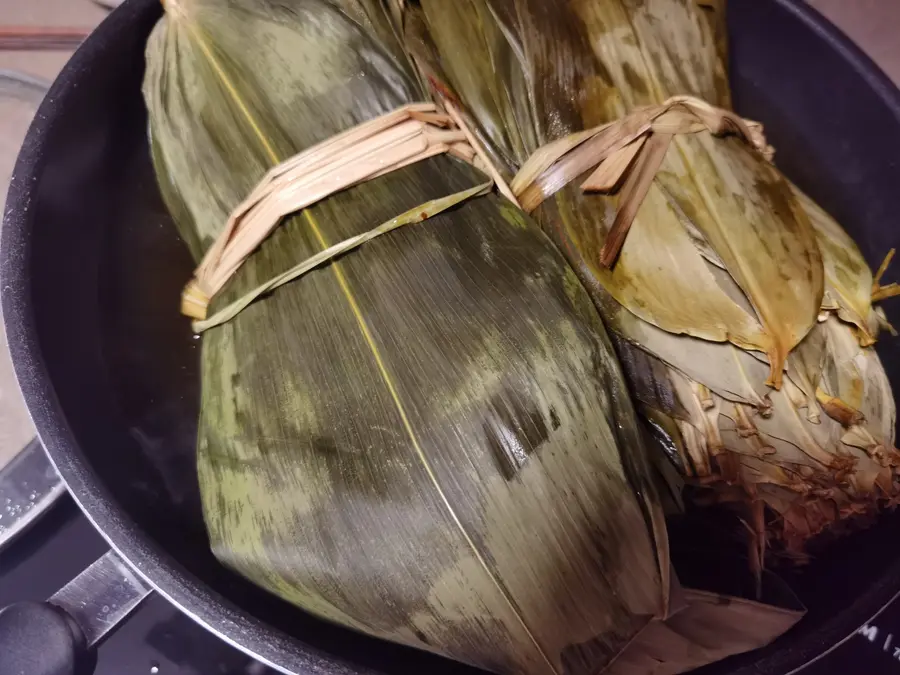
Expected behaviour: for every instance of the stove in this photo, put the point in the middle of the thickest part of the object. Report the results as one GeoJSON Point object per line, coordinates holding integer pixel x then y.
{"type": "Point", "coordinates": [45, 541]}
{"type": "Point", "coordinates": [156, 639]}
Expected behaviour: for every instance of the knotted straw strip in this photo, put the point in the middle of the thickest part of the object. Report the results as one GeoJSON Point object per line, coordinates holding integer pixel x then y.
{"type": "Point", "coordinates": [638, 142]}
{"type": "Point", "coordinates": [414, 215]}
{"type": "Point", "coordinates": [634, 145]}
{"type": "Point", "coordinates": [381, 145]}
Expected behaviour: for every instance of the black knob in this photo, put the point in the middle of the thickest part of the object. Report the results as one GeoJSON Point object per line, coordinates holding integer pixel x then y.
{"type": "Point", "coordinates": [37, 638]}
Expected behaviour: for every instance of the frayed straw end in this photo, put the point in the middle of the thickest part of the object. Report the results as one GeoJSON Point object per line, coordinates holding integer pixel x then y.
{"type": "Point", "coordinates": [194, 302]}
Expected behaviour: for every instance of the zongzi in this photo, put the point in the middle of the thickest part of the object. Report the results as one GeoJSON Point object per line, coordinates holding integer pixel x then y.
{"type": "Point", "coordinates": [743, 313]}
{"type": "Point", "coordinates": [428, 439]}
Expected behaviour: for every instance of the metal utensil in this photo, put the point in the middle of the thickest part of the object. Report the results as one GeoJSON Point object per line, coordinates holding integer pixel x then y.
{"type": "Point", "coordinates": [29, 485]}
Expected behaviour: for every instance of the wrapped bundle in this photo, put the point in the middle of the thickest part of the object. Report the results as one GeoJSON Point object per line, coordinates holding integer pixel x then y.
{"type": "Point", "coordinates": [742, 313]}
{"type": "Point", "coordinates": [428, 439]}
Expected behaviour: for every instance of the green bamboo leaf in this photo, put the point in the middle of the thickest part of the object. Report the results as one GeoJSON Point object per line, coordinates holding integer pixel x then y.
{"type": "Point", "coordinates": [496, 85]}
{"type": "Point", "coordinates": [428, 439]}
{"type": "Point", "coordinates": [665, 47]}
{"type": "Point", "coordinates": [414, 215]}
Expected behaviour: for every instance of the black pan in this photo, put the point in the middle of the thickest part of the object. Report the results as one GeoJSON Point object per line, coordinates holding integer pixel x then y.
{"type": "Point", "coordinates": [92, 269]}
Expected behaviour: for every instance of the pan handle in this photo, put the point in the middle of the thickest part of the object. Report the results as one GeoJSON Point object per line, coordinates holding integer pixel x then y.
{"type": "Point", "coordinates": [57, 637]}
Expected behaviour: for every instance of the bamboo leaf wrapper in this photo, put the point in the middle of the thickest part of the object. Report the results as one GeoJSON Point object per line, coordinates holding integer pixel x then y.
{"type": "Point", "coordinates": [741, 312]}
{"type": "Point", "coordinates": [720, 296]}
{"type": "Point", "coordinates": [429, 439]}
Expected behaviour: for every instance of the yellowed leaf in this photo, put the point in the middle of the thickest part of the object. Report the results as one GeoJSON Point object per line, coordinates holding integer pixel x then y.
{"type": "Point", "coordinates": [746, 212]}
{"type": "Point", "coordinates": [848, 278]}
{"type": "Point", "coordinates": [730, 372]}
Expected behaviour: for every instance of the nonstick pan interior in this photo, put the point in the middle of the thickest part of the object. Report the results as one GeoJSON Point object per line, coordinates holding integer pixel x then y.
{"type": "Point", "coordinates": [93, 269]}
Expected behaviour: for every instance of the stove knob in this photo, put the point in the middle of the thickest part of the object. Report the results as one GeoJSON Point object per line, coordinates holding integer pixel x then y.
{"type": "Point", "coordinates": [37, 638]}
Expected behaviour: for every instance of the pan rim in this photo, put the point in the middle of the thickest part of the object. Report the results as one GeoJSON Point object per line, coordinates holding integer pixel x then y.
{"type": "Point", "coordinates": [165, 574]}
